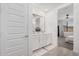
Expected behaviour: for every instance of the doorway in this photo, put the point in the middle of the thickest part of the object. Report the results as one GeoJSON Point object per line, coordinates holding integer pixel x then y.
{"type": "Point", "coordinates": [65, 27]}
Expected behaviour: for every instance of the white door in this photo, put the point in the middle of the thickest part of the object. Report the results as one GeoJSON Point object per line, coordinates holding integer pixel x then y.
{"type": "Point", "coordinates": [14, 29]}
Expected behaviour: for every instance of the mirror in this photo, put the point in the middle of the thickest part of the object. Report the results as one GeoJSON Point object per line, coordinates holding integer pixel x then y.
{"type": "Point", "coordinates": [38, 23]}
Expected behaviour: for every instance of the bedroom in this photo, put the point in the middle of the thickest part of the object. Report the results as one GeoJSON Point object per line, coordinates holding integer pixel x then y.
{"type": "Point", "coordinates": [65, 27]}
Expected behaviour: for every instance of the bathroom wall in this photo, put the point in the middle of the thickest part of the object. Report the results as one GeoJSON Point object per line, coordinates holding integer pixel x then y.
{"type": "Point", "coordinates": [76, 28]}
{"type": "Point", "coordinates": [51, 25]}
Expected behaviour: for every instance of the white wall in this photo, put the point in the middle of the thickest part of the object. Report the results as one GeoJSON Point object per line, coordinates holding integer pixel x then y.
{"type": "Point", "coordinates": [76, 28]}
{"type": "Point", "coordinates": [51, 25]}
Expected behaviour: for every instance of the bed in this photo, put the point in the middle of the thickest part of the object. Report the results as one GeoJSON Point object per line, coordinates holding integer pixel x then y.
{"type": "Point", "coordinates": [68, 37]}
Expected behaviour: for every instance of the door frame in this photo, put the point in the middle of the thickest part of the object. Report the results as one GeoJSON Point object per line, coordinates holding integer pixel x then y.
{"type": "Point", "coordinates": [29, 22]}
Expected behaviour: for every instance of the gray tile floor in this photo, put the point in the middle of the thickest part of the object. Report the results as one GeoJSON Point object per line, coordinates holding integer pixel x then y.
{"type": "Point", "coordinates": [63, 49]}
{"type": "Point", "coordinates": [41, 51]}
{"type": "Point", "coordinates": [60, 51]}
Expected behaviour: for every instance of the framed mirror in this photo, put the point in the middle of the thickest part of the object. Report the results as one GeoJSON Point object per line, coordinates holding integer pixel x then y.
{"type": "Point", "coordinates": [38, 23]}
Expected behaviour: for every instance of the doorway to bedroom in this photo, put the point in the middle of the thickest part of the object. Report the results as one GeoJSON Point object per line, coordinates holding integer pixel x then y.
{"type": "Point", "coordinates": [65, 27]}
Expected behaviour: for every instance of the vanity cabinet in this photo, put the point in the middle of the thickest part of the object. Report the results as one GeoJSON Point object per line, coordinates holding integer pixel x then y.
{"type": "Point", "coordinates": [35, 42]}
{"type": "Point", "coordinates": [49, 38]}
{"type": "Point", "coordinates": [41, 40]}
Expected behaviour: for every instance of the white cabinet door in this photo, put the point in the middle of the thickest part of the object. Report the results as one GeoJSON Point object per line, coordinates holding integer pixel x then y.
{"type": "Point", "coordinates": [14, 29]}
{"type": "Point", "coordinates": [35, 42]}
{"type": "Point", "coordinates": [49, 38]}
{"type": "Point", "coordinates": [43, 40]}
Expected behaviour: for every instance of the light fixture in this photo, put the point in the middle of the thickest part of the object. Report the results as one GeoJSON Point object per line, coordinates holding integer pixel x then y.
{"type": "Point", "coordinates": [67, 16]}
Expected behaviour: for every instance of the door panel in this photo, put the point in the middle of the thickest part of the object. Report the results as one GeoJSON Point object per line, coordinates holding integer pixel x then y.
{"type": "Point", "coordinates": [15, 30]}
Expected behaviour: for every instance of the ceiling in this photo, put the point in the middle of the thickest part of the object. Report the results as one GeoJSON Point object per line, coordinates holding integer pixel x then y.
{"type": "Point", "coordinates": [65, 10]}
{"type": "Point", "coordinates": [45, 7]}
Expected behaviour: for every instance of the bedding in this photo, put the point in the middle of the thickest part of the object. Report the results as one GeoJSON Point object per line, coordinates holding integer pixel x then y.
{"type": "Point", "coordinates": [68, 37]}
